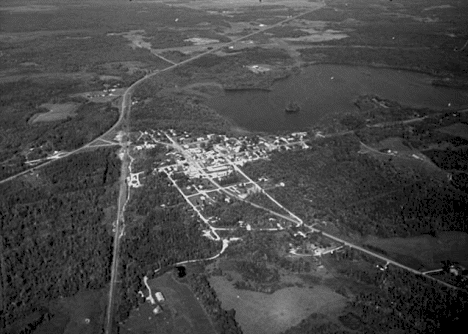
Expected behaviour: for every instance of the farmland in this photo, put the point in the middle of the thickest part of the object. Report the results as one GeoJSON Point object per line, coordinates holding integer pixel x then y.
{"type": "Point", "coordinates": [181, 312]}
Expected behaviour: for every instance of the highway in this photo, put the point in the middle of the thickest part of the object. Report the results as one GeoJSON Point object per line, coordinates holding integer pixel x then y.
{"type": "Point", "coordinates": [126, 97]}
{"type": "Point", "coordinates": [292, 217]}
{"type": "Point", "coordinates": [124, 193]}
{"type": "Point", "coordinates": [383, 258]}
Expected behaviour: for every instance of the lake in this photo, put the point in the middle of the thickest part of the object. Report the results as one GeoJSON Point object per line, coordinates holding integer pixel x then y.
{"type": "Point", "coordinates": [323, 90]}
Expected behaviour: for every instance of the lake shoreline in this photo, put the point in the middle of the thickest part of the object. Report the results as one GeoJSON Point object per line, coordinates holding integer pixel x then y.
{"type": "Point", "coordinates": [326, 90]}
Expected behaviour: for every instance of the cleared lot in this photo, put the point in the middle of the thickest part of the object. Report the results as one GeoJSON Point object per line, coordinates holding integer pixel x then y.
{"type": "Point", "coordinates": [181, 311]}
{"type": "Point", "coordinates": [56, 112]}
{"type": "Point", "coordinates": [261, 313]}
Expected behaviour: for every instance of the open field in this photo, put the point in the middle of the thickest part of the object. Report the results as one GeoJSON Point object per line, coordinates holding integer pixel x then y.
{"type": "Point", "coordinates": [262, 313]}
{"type": "Point", "coordinates": [181, 313]}
{"type": "Point", "coordinates": [396, 152]}
{"type": "Point", "coordinates": [56, 112]}
{"type": "Point", "coordinates": [80, 314]}
{"type": "Point", "coordinates": [427, 250]}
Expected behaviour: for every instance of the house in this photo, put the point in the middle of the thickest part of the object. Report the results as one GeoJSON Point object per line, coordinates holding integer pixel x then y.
{"type": "Point", "coordinates": [159, 296]}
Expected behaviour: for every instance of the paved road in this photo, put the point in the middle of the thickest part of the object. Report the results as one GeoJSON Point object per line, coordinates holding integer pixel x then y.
{"type": "Point", "coordinates": [118, 229]}
{"type": "Point", "coordinates": [123, 119]}
{"type": "Point", "coordinates": [126, 97]}
{"type": "Point", "coordinates": [383, 258]}
{"type": "Point", "coordinates": [296, 220]}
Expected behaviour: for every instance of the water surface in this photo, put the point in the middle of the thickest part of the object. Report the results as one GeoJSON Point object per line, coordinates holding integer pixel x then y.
{"type": "Point", "coordinates": [323, 90]}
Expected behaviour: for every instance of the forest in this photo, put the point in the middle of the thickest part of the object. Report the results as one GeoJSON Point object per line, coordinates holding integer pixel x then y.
{"type": "Point", "coordinates": [224, 321]}
{"type": "Point", "coordinates": [182, 113]}
{"type": "Point", "coordinates": [386, 301]}
{"type": "Point", "coordinates": [21, 100]}
{"type": "Point", "coordinates": [402, 300]}
{"type": "Point", "coordinates": [416, 40]}
{"type": "Point", "coordinates": [55, 232]}
{"type": "Point", "coordinates": [160, 232]}
{"type": "Point", "coordinates": [331, 181]}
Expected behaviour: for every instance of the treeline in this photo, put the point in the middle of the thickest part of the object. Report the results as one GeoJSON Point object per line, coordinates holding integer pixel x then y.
{"type": "Point", "coordinates": [82, 54]}
{"type": "Point", "coordinates": [157, 236]}
{"type": "Point", "coordinates": [411, 303]}
{"type": "Point", "coordinates": [435, 62]}
{"type": "Point", "coordinates": [420, 135]}
{"type": "Point", "coordinates": [450, 159]}
{"type": "Point", "coordinates": [55, 231]}
{"type": "Point", "coordinates": [182, 113]}
{"type": "Point", "coordinates": [257, 272]}
{"type": "Point", "coordinates": [396, 299]}
{"type": "Point", "coordinates": [317, 323]}
{"type": "Point", "coordinates": [224, 321]}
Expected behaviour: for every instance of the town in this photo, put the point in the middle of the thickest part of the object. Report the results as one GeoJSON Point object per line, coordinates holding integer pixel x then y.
{"type": "Point", "coordinates": [206, 170]}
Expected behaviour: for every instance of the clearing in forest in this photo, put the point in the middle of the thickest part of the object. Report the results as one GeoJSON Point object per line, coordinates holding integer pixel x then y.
{"type": "Point", "coordinates": [181, 312]}
{"type": "Point", "coordinates": [425, 250]}
{"type": "Point", "coordinates": [274, 313]}
{"type": "Point", "coordinates": [56, 112]}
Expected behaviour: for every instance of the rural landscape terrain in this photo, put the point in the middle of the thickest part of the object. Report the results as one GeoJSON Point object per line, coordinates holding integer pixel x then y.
{"type": "Point", "coordinates": [233, 166]}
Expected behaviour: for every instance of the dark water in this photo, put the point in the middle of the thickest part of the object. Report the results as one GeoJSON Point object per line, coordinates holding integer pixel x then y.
{"type": "Point", "coordinates": [319, 96]}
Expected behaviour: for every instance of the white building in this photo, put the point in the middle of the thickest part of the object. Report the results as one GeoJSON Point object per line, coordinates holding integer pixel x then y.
{"type": "Point", "coordinates": [159, 296]}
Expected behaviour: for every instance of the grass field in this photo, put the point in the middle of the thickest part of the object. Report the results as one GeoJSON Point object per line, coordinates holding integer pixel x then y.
{"type": "Point", "coordinates": [80, 314]}
{"type": "Point", "coordinates": [260, 313]}
{"type": "Point", "coordinates": [426, 250]}
{"type": "Point", "coordinates": [56, 112]}
{"type": "Point", "coordinates": [182, 313]}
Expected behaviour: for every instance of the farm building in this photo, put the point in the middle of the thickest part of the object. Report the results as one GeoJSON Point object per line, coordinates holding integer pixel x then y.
{"type": "Point", "coordinates": [157, 309]}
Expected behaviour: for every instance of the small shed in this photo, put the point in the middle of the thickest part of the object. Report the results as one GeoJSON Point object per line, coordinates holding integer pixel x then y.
{"type": "Point", "coordinates": [157, 309]}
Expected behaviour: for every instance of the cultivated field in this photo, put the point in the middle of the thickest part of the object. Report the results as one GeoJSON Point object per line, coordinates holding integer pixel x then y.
{"type": "Point", "coordinates": [182, 313]}
{"type": "Point", "coordinates": [262, 313]}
